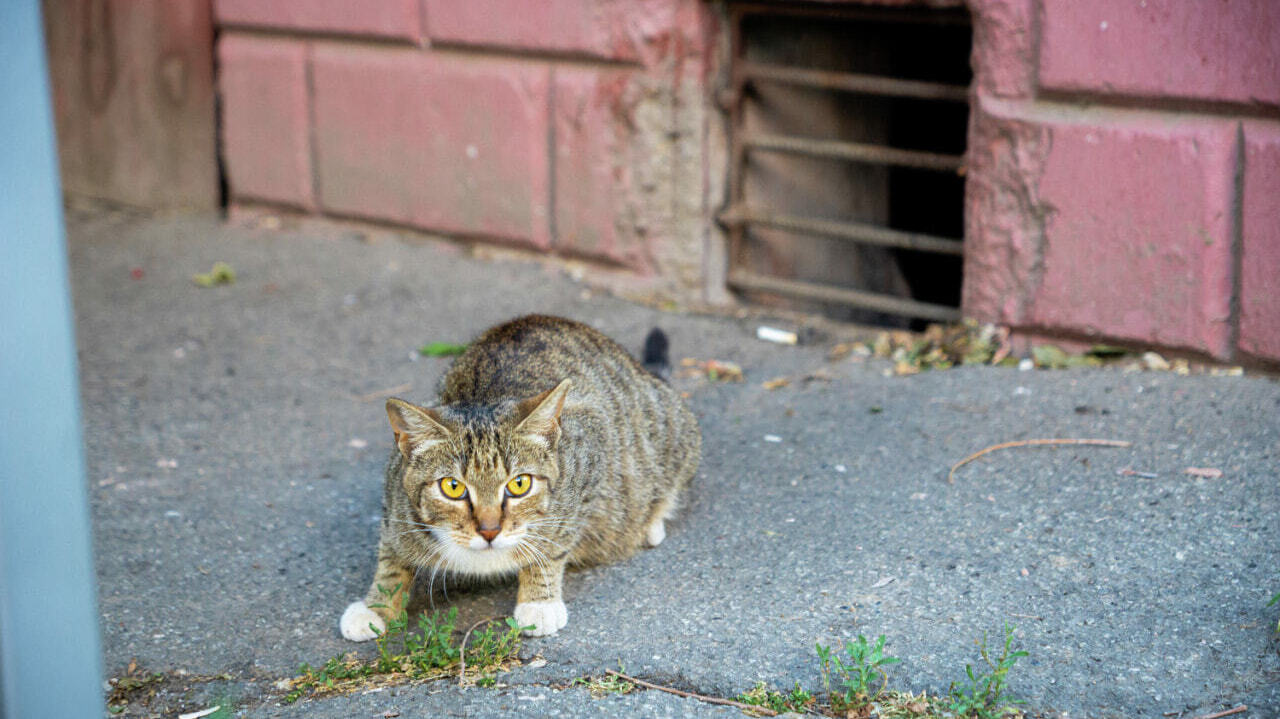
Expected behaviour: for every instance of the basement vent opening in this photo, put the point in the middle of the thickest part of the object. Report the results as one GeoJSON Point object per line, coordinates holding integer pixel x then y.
{"type": "Point", "coordinates": [846, 172]}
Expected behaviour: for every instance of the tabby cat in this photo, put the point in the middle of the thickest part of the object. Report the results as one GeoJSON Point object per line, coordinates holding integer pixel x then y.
{"type": "Point", "coordinates": [550, 446]}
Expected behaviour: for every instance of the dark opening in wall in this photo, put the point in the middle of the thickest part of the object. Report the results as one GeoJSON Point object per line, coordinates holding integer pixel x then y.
{"type": "Point", "coordinates": [848, 129]}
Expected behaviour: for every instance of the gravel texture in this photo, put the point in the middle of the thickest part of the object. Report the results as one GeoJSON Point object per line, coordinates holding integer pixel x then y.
{"type": "Point", "coordinates": [235, 438]}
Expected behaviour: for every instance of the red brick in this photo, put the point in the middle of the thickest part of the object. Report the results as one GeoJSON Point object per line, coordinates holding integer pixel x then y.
{"type": "Point", "coordinates": [456, 144]}
{"type": "Point", "coordinates": [1138, 236]}
{"type": "Point", "coordinates": [1260, 253]}
{"type": "Point", "coordinates": [1003, 214]}
{"type": "Point", "coordinates": [615, 29]}
{"type": "Point", "coordinates": [384, 18]}
{"type": "Point", "coordinates": [1004, 47]}
{"type": "Point", "coordinates": [593, 169]}
{"type": "Point", "coordinates": [264, 119]}
{"type": "Point", "coordinates": [1202, 49]}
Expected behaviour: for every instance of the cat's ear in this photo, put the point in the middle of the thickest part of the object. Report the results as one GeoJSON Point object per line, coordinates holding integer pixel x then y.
{"type": "Point", "coordinates": [541, 414]}
{"type": "Point", "coordinates": [414, 426]}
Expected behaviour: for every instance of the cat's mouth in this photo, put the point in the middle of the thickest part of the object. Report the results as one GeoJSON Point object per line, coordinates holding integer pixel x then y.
{"type": "Point", "coordinates": [499, 543]}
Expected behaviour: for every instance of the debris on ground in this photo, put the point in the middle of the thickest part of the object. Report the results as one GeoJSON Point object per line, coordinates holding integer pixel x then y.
{"type": "Point", "coordinates": [441, 349]}
{"type": "Point", "coordinates": [1203, 472]}
{"type": "Point", "coordinates": [714, 370]}
{"type": "Point", "coordinates": [773, 334]}
{"type": "Point", "coordinates": [221, 274]}
{"type": "Point", "coordinates": [1127, 472]}
{"type": "Point", "coordinates": [1153, 361]}
{"type": "Point", "coordinates": [819, 375]}
{"type": "Point", "coordinates": [951, 476]}
{"type": "Point", "coordinates": [971, 343]}
{"type": "Point", "coordinates": [938, 347]}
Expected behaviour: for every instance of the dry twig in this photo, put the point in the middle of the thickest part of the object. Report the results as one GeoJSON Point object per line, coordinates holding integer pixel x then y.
{"type": "Point", "coordinates": [763, 711]}
{"type": "Point", "coordinates": [1229, 712]}
{"type": "Point", "coordinates": [951, 476]}
{"type": "Point", "coordinates": [462, 650]}
{"type": "Point", "coordinates": [383, 393]}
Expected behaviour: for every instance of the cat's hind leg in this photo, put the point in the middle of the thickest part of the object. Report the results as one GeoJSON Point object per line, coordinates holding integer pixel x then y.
{"type": "Point", "coordinates": [657, 529]}
{"type": "Point", "coordinates": [387, 597]}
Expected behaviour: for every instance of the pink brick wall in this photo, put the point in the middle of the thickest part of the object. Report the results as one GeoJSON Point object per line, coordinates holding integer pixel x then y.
{"type": "Point", "coordinates": [1123, 181]}
{"type": "Point", "coordinates": [267, 153]}
{"type": "Point", "coordinates": [1260, 251]}
{"type": "Point", "coordinates": [451, 143]}
{"type": "Point", "coordinates": [497, 120]}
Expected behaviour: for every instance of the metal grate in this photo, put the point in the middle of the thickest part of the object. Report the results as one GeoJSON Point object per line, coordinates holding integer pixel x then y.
{"type": "Point", "coordinates": [745, 214]}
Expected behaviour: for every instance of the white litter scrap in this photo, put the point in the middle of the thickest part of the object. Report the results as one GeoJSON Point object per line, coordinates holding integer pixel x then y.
{"type": "Point", "coordinates": [773, 334]}
{"type": "Point", "coordinates": [201, 713]}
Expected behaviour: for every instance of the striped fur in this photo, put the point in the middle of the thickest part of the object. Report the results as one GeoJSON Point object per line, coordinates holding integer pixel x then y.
{"type": "Point", "coordinates": [611, 448]}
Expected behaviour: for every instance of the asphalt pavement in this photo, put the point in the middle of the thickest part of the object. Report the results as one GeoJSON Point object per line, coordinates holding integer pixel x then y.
{"type": "Point", "coordinates": [235, 439]}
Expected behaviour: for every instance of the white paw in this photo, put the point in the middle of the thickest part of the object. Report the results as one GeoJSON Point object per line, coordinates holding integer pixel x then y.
{"type": "Point", "coordinates": [545, 617]}
{"type": "Point", "coordinates": [656, 533]}
{"type": "Point", "coordinates": [356, 620]}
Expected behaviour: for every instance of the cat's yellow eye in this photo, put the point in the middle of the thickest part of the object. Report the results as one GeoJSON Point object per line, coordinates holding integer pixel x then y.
{"type": "Point", "coordinates": [520, 486]}
{"type": "Point", "coordinates": [452, 488]}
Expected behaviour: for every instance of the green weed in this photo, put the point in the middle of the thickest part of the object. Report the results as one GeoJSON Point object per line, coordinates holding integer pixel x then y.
{"type": "Point", "coordinates": [441, 349]}
{"type": "Point", "coordinates": [796, 700]}
{"type": "Point", "coordinates": [221, 274]}
{"type": "Point", "coordinates": [1274, 599]}
{"type": "Point", "coordinates": [859, 677]}
{"type": "Point", "coordinates": [604, 686]}
{"type": "Point", "coordinates": [981, 696]}
{"type": "Point", "coordinates": [427, 652]}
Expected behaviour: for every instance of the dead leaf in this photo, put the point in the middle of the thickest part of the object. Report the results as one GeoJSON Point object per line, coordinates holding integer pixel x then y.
{"type": "Point", "coordinates": [714, 370]}
{"type": "Point", "coordinates": [819, 375]}
{"type": "Point", "coordinates": [776, 383]}
{"type": "Point", "coordinates": [1206, 472]}
{"type": "Point", "coordinates": [904, 367]}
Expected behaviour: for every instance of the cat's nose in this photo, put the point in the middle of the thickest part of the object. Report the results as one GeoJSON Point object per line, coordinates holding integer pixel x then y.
{"type": "Point", "coordinates": [488, 533]}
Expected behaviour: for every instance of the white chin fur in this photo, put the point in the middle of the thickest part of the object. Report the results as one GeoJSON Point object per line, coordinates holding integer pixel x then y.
{"type": "Point", "coordinates": [545, 617]}
{"type": "Point", "coordinates": [484, 562]}
{"type": "Point", "coordinates": [356, 620]}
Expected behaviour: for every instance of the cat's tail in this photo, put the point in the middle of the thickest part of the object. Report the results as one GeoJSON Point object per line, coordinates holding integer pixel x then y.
{"type": "Point", "coordinates": [656, 358]}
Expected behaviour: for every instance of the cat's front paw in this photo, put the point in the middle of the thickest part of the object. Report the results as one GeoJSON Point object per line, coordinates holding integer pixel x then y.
{"type": "Point", "coordinates": [356, 620]}
{"type": "Point", "coordinates": [545, 617]}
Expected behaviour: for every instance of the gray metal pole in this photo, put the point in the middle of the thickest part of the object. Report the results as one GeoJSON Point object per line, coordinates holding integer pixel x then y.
{"type": "Point", "coordinates": [50, 665]}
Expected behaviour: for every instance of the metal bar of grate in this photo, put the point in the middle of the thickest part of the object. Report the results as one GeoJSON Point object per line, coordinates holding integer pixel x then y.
{"type": "Point", "coordinates": [842, 11]}
{"type": "Point", "coordinates": [743, 280]}
{"type": "Point", "coordinates": [856, 151]}
{"type": "Point", "coordinates": [853, 82]}
{"type": "Point", "coordinates": [855, 231]}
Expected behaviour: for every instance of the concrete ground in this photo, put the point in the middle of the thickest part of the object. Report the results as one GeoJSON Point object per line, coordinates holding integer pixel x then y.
{"type": "Point", "coordinates": [235, 439]}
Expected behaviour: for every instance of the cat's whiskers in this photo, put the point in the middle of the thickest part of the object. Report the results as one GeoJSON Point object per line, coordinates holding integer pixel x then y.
{"type": "Point", "coordinates": [407, 521]}
{"type": "Point", "coordinates": [527, 549]}
{"type": "Point", "coordinates": [537, 552]}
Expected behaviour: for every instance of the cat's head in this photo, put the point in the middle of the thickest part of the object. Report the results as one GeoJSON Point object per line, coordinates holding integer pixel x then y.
{"type": "Point", "coordinates": [480, 479]}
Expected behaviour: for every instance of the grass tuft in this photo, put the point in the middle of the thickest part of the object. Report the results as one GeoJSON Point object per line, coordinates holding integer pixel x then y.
{"type": "Point", "coordinates": [426, 652]}
{"type": "Point", "coordinates": [981, 695]}
{"type": "Point", "coordinates": [797, 700]}
{"type": "Point", "coordinates": [860, 680]}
